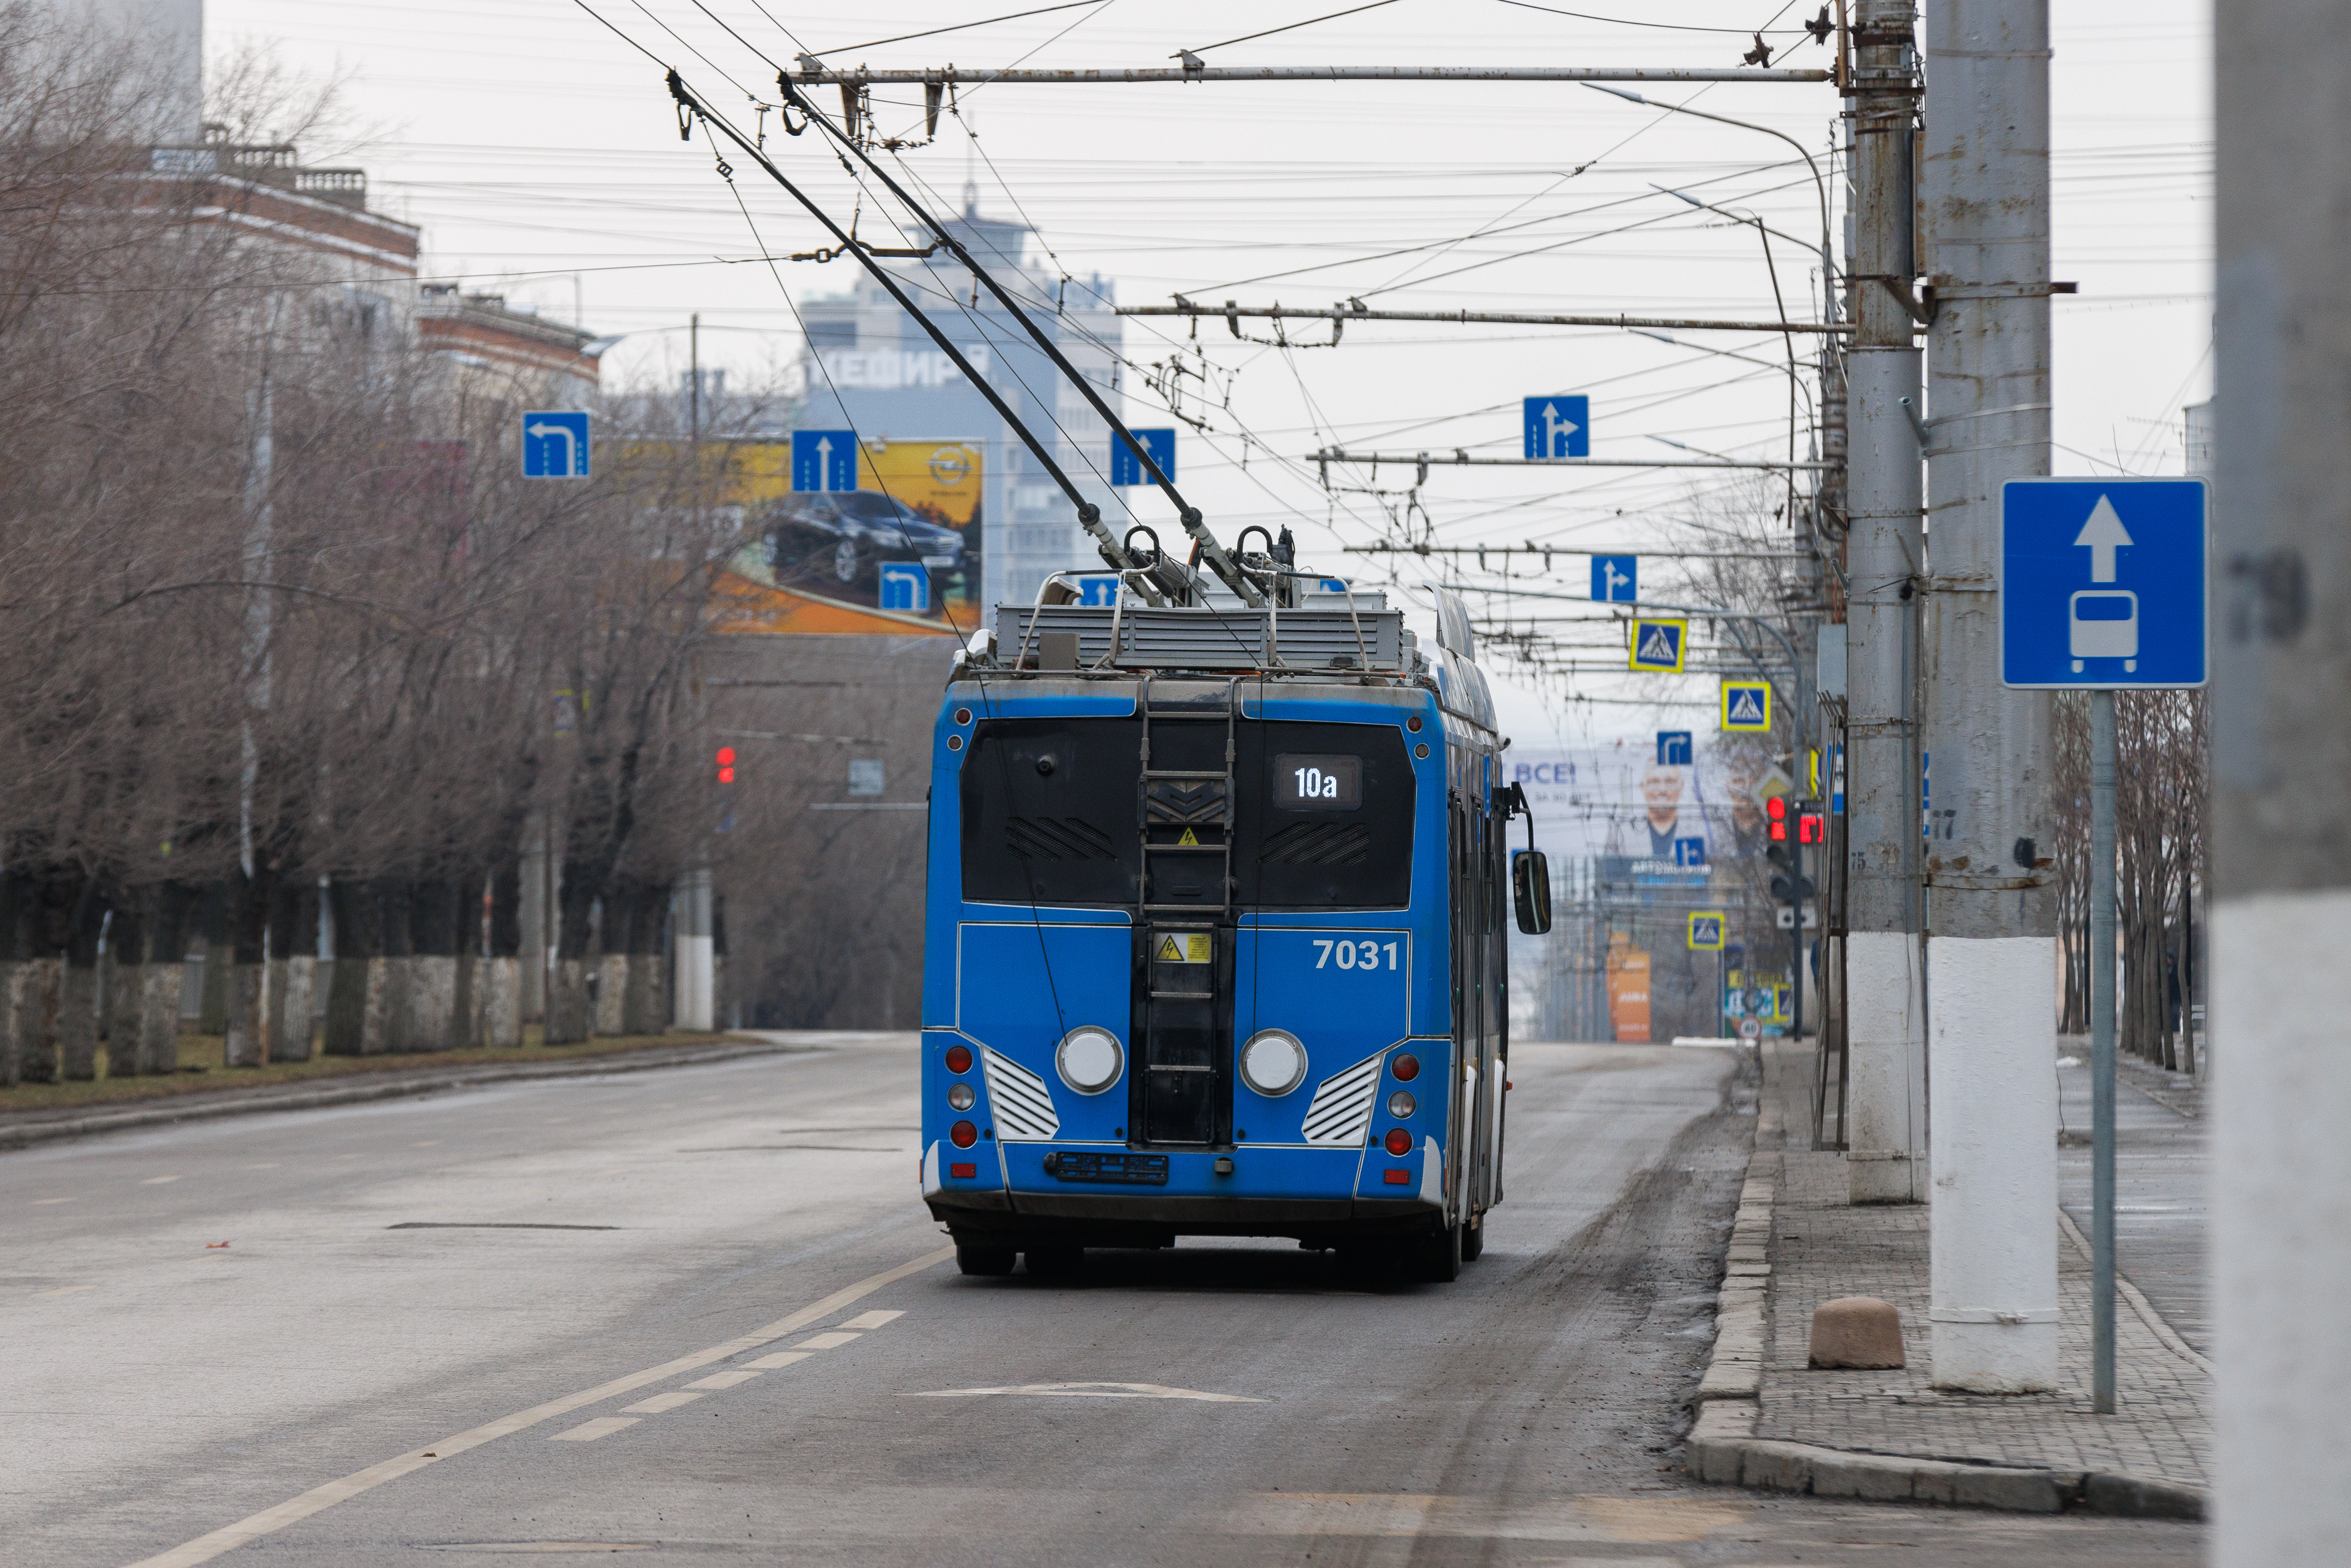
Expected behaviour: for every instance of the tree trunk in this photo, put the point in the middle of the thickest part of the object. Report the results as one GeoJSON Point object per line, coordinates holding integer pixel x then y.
{"type": "Point", "coordinates": [78, 993]}
{"type": "Point", "coordinates": [568, 1012]}
{"type": "Point", "coordinates": [355, 999]}
{"type": "Point", "coordinates": [293, 966]}
{"type": "Point", "coordinates": [502, 984]}
{"type": "Point", "coordinates": [125, 981]}
{"type": "Point", "coordinates": [612, 961]}
{"type": "Point", "coordinates": [646, 1005]}
{"type": "Point", "coordinates": [396, 970]}
{"type": "Point", "coordinates": [244, 1024]}
{"type": "Point", "coordinates": [213, 921]}
{"type": "Point", "coordinates": [432, 924]}
{"type": "Point", "coordinates": [162, 978]}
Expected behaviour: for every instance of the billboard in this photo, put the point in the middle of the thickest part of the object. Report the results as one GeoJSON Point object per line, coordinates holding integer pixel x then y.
{"type": "Point", "coordinates": [901, 552]}
{"type": "Point", "coordinates": [1677, 821]}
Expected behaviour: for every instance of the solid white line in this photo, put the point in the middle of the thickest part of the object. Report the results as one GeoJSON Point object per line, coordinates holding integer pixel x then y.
{"type": "Point", "coordinates": [318, 1499]}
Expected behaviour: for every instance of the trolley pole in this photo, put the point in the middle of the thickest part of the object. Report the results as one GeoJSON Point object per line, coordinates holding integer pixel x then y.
{"type": "Point", "coordinates": [1991, 951]}
{"type": "Point", "coordinates": [1885, 1001]}
{"type": "Point", "coordinates": [2281, 786]}
{"type": "Point", "coordinates": [2102, 1052]}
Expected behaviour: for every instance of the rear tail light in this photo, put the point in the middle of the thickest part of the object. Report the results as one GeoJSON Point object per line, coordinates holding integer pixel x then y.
{"type": "Point", "coordinates": [958, 1058]}
{"type": "Point", "coordinates": [963, 1134]}
{"type": "Point", "coordinates": [1399, 1141]}
{"type": "Point", "coordinates": [1406, 1067]}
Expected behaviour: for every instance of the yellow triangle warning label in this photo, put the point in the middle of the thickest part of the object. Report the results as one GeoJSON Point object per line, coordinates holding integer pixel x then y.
{"type": "Point", "coordinates": [1169, 953]}
{"type": "Point", "coordinates": [1189, 837]}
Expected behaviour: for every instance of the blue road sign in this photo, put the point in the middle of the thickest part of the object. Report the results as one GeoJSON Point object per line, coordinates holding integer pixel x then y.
{"type": "Point", "coordinates": [1659, 646]}
{"type": "Point", "coordinates": [1690, 852]}
{"type": "Point", "coordinates": [824, 460]}
{"type": "Point", "coordinates": [1615, 579]}
{"type": "Point", "coordinates": [1672, 749]}
{"type": "Point", "coordinates": [906, 585]}
{"type": "Point", "coordinates": [1559, 427]}
{"type": "Point", "coordinates": [554, 445]}
{"type": "Point", "coordinates": [1747, 707]}
{"type": "Point", "coordinates": [1706, 933]}
{"type": "Point", "coordinates": [1099, 591]}
{"type": "Point", "coordinates": [2103, 583]}
{"type": "Point", "coordinates": [1126, 468]}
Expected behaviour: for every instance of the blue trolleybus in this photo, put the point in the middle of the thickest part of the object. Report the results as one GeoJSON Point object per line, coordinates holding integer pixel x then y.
{"type": "Point", "coordinates": [1214, 940]}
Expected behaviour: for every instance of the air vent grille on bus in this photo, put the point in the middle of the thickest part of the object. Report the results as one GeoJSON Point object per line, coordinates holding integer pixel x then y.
{"type": "Point", "coordinates": [1341, 1112]}
{"type": "Point", "coordinates": [1057, 839]}
{"type": "Point", "coordinates": [1024, 1106]}
{"type": "Point", "coordinates": [1320, 843]}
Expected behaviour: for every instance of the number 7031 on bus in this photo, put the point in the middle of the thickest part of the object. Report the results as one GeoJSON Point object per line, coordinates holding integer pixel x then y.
{"type": "Point", "coordinates": [1353, 955]}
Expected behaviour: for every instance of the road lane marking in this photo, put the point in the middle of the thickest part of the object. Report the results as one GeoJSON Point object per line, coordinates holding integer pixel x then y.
{"type": "Point", "coordinates": [589, 1431]}
{"type": "Point", "coordinates": [871, 1320]}
{"type": "Point", "coordinates": [1095, 1390]}
{"type": "Point", "coordinates": [542, 1546]}
{"type": "Point", "coordinates": [40, 1201]}
{"type": "Point", "coordinates": [318, 1499]}
{"type": "Point", "coordinates": [65, 1291]}
{"type": "Point", "coordinates": [824, 1342]}
{"type": "Point", "coordinates": [725, 1379]}
{"type": "Point", "coordinates": [659, 1403]}
{"type": "Point", "coordinates": [765, 1364]}
{"type": "Point", "coordinates": [158, 1181]}
{"type": "Point", "coordinates": [270, 1166]}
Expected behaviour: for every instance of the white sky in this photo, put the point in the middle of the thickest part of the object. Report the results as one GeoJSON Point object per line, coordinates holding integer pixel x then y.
{"type": "Point", "coordinates": [542, 156]}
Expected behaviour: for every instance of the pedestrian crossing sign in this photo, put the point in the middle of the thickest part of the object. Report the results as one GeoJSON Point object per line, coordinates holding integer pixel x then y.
{"type": "Point", "coordinates": [1705, 932]}
{"type": "Point", "coordinates": [1658, 646]}
{"type": "Point", "coordinates": [1747, 707]}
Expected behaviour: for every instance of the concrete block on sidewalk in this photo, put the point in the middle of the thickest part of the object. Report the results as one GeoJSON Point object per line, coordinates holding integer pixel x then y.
{"type": "Point", "coordinates": [1858, 1331]}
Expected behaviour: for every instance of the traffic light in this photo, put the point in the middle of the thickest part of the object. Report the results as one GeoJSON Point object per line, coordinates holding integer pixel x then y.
{"type": "Point", "coordinates": [727, 765]}
{"type": "Point", "coordinates": [1775, 811]}
{"type": "Point", "coordinates": [1812, 827]}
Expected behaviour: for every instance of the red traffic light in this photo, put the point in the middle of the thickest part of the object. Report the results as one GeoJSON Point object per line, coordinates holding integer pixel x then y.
{"type": "Point", "coordinates": [727, 765]}
{"type": "Point", "coordinates": [1776, 810]}
{"type": "Point", "coordinates": [1812, 827]}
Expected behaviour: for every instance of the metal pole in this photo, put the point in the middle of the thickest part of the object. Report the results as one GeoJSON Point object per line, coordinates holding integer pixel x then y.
{"type": "Point", "coordinates": [2280, 909]}
{"type": "Point", "coordinates": [693, 375]}
{"type": "Point", "coordinates": [1992, 955]}
{"type": "Point", "coordinates": [1886, 1158]}
{"type": "Point", "coordinates": [2101, 1051]}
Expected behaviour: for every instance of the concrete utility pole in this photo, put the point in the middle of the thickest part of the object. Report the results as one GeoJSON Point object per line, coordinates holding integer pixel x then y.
{"type": "Point", "coordinates": [2282, 777]}
{"type": "Point", "coordinates": [1886, 972]}
{"type": "Point", "coordinates": [1991, 949]}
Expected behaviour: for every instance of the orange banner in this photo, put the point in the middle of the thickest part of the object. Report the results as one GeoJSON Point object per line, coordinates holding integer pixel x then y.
{"type": "Point", "coordinates": [1628, 993]}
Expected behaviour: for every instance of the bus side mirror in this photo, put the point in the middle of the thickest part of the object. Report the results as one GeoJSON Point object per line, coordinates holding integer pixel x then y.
{"type": "Point", "coordinates": [1531, 887]}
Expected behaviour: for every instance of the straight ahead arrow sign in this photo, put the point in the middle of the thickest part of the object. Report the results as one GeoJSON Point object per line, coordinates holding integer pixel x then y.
{"type": "Point", "coordinates": [2102, 534]}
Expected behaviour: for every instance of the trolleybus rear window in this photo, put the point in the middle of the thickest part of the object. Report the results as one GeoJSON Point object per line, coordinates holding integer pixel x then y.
{"type": "Point", "coordinates": [1052, 812]}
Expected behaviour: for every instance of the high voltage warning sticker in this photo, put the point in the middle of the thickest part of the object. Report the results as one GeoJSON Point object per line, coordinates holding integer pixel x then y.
{"type": "Point", "coordinates": [1189, 837]}
{"type": "Point", "coordinates": [1190, 948]}
{"type": "Point", "coordinates": [1658, 646]}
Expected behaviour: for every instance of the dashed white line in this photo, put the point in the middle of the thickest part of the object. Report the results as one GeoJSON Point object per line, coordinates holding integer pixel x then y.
{"type": "Point", "coordinates": [158, 1181]}
{"type": "Point", "coordinates": [825, 1342]}
{"type": "Point", "coordinates": [661, 1402]}
{"type": "Point", "coordinates": [589, 1431]}
{"type": "Point", "coordinates": [725, 1379]}
{"type": "Point", "coordinates": [871, 1320]}
{"type": "Point", "coordinates": [781, 1358]}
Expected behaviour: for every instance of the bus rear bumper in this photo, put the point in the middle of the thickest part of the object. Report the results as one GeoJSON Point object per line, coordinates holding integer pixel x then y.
{"type": "Point", "coordinates": [1085, 1219]}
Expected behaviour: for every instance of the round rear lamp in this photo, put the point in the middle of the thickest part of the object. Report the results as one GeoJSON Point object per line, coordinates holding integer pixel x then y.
{"type": "Point", "coordinates": [1401, 1104]}
{"type": "Point", "coordinates": [958, 1058]}
{"type": "Point", "coordinates": [1399, 1141]}
{"type": "Point", "coordinates": [963, 1134]}
{"type": "Point", "coordinates": [1406, 1067]}
{"type": "Point", "coordinates": [1090, 1058]}
{"type": "Point", "coordinates": [1273, 1062]}
{"type": "Point", "coordinates": [960, 1096]}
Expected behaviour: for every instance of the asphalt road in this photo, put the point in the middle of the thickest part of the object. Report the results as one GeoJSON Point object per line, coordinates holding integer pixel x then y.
{"type": "Point", "coordinates": [700, 1314]}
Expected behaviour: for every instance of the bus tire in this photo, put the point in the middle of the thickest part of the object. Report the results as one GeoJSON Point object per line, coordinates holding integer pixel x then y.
{"type": "Point", "coordinates": [1473, 1240]}
{"type": "Point", "coordinates": [982, 1258]}
{"type": "Point", "coordinates": [1055, 1262]}
{"type": "Point", "coordinates": [1441, 1256]}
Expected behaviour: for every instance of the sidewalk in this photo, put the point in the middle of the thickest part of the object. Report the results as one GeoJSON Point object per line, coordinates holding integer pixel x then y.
{"type": "Point", "coordinates": [1766, 1420]}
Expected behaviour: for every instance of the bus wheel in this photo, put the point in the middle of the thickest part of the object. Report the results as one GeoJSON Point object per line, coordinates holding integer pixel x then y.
{"type": "Point", "coordinates": [1055, 1262]}
{"type": "Point", "coordinates": [1441, 1256]}
{"type": "Point", "coordinates": [1473, 1240]}
{"type": "Point", "coordinates": [980, 1258]}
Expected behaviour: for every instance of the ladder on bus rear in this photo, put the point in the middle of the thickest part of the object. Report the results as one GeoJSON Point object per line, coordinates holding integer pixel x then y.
{"type": "Point", "coordinates": [1185, 963]}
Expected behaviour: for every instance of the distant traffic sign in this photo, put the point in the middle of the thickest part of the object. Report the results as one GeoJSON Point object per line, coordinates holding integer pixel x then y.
{"type": "Point", "coordinates": [1557, 427]}
{"type": "Point", "coordinates": [1689, 853]}
{"type": "Point", "coordinates": [906, 585]}
{"type": "Point", "coordinates": [824, 460]}
{"type": "Point", "coordinates": [2103, 583]}
{"type": "Point", "coordinates": [1126, 468]}
{"type": "Point", "coordinates": [1659, 646]}
{"type": "Point", "coordinates": [1706, 931]}
{"type": "Point", "coordinates": [1099, 591]}
{"type": "Point", "coordinates": [1747, 707]}
{"type": "Point", "coordinates": [554, 445]}
{"type": "Point", "coordinates": [1616, 578]}
{"type": "Point", "coordinates": [1672, 749]}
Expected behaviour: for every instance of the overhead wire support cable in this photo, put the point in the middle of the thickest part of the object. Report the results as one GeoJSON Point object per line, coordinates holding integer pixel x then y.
{"type": "Point", "coordinates": [1211, 551]}
{"type": "Point", "coordinates": [1089, 515]}
{"type": "Point", "coordinates": [1432, 459]}
{"type": "Point", "coordinates": [1351, 312]}
{"type": "Point", "coordinates": [953, 75]}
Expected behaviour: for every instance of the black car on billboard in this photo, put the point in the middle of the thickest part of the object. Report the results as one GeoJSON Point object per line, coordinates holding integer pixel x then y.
{"type": "Point", "coordinates": [834, 543]}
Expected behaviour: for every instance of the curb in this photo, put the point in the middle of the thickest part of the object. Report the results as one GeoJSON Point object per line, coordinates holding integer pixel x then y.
{"type": "Point", "coordinates": [1722, 1447]}
{"type": "Point", "coordinates": [392, 1085]}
